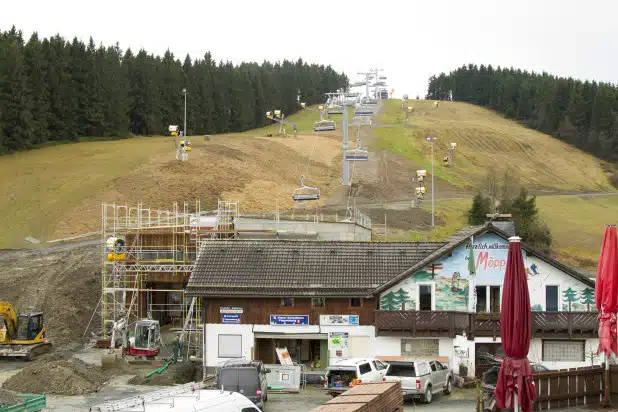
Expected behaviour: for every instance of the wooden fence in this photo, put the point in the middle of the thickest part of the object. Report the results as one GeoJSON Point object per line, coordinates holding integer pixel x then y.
{"type": "Point", "coordinates": [569, 387]}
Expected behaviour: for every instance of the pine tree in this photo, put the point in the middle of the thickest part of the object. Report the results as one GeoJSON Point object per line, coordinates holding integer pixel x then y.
{"type": "Point", "coordinates": [587, 297]}
{"type": "Point", "coordinates": [389, 302]}
{"type": "Point", "coordinates": [570, 296]}
{"type": "Point", "coordinates": [477, 215]}
{"type": "Point", "coordinates": [402, 297]}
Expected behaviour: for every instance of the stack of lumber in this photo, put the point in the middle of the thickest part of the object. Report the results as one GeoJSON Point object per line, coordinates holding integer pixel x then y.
{"type": "Point", "coordinates": [367, 397]}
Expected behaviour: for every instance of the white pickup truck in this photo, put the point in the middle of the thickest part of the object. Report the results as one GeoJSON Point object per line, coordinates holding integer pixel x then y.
{"type": "Point", "coordinates": [349, 372]}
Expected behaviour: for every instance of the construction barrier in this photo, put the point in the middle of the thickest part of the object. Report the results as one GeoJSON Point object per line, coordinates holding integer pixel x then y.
{"type": "Point", "coordinates": [32, 403]}
{"type": "Point", "coordinates": [283, 378]}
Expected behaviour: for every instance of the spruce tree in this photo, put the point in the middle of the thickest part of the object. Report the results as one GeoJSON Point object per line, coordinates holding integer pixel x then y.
{"type": "Point", "coordinates": [477, 215]}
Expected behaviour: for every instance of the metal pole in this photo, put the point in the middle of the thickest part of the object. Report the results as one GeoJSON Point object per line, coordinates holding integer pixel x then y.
{"type": "Point", "coordinates": [433, 190]}
{"type": "Point", "coordinates": [346, 164]}
{"type": "Point", "coordinates": [185, 128]}
{"type": "Point", "coordinates": [606, 400]}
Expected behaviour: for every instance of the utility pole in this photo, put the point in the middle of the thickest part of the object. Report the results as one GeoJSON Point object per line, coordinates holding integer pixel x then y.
{"type": "Point", "coordinates": [185, 127]}
{"type": "Point", "coordinates": [344, 127]}
{"type": "Point", "coordinates": [432, 139]}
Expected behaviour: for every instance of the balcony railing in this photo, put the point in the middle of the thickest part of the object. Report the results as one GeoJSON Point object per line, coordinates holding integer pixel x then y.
{"type": "Point", "coordinates": [450, 323]}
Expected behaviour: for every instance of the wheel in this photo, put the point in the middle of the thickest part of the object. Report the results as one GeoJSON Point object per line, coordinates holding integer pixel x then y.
{"type": "Point", "coordinates": [449, 387]}
{"type": "Point", "coordinates": [428, 395]}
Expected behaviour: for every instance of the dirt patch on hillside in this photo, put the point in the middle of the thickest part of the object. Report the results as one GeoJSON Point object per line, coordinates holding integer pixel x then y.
{"type": "Point", "coordinates": [62, 282]}
{"type": "Point", "coordinates": [57, 375]}
{"type": "Point", "coordinates": [259, 172]}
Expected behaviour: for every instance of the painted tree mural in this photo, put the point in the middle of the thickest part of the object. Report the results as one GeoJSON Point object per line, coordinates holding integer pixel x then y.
{"type": "Point", "coordinates": [389, 302]}
{"type": "Point", "coordinates": [587, 297]}
{"type": "Point", "coordinates": [402, 297]}
{"type": "Point", "coordinates": [570, 296]}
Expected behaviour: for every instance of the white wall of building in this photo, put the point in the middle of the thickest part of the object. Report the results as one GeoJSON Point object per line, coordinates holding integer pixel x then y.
{"type": "Point", "coordinates": [212, 341]}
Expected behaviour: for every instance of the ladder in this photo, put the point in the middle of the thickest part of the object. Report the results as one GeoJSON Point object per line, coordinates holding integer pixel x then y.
{"type": "Point", "coordinates": [141, 400]}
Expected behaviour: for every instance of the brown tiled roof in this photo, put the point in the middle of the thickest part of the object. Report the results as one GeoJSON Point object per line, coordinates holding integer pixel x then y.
{"type": "Point", "coordinates": [301, 268]}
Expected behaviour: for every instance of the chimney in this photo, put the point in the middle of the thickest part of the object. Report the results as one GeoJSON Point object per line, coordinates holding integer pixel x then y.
{"type": "Point", "coordinates": [503, 222]}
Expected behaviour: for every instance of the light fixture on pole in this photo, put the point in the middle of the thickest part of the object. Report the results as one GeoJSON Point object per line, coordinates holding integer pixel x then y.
{"type": "Point", "coordinates": [432, 139]}
{"type": "Point", "coordinates": [184, 91]}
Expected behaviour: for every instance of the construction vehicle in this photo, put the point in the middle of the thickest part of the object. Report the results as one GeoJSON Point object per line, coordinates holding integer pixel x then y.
{"type": "Point", "coordinates": [145, 341]}
{"type": "Point", "coordinates": [22, 335]}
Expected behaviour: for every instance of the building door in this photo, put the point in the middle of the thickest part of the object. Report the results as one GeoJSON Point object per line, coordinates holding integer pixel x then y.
{"type": "Point", "coordinates": [265, 351]}
{"type": "Point", "coordinates": [481, 363]}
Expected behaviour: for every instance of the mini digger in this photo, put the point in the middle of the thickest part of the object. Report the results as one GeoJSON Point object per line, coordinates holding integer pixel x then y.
{"type": "Point", "coordinates": [22, 335]}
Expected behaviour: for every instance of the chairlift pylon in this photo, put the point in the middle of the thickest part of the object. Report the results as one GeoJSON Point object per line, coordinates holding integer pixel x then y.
{"type": "Point", "coordinates": [305, 193]}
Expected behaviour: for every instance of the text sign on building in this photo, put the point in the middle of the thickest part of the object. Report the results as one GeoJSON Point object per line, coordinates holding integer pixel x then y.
{"type": "Point", "coordinates": [289, 320]}
{"type": "Point", "coordinates": [460, 352]}
{"type": "Point", "coordinates": [351, 320]}
{"type": "Point", "coordinates": [338, 344]}
{"type": "Point", "coordinates": [230, 309]}
{"type": "Point", "coordinates": [230, 318]}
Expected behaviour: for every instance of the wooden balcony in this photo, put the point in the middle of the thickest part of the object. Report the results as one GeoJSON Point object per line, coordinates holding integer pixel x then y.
{"type": "Point", "coordinates": [560, 325]}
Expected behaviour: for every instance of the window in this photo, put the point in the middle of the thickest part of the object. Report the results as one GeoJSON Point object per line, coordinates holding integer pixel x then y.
{"type": "Point", "coordinates": [494, 299]}
{"type": "Point", "coordinates": [481, 299]}
{"type": "Point", "coordinates": [355, 302]}
{"type": "Point", "coordinates": [287, 302]}
{"type": "Point", "coordinates": [419, 347]}
{"type": "Point", "coordinates": [248, 409]}
{"type": "Point", "coordinates": [423, 368]}
{"type": "Point", "coordinates": [364, 368]}
{"type": "Point", "coordinates": [425, 297]}
{"type": "Point", "coordinates": [563, 350]}
{"type": "Point", "coordinates": [402, 370]}
{"type": "Point", "coordinates": [318, 302]}
{"type": "Point", "coordinates": [444, 367]}
{"type": "Point", "coordinates": [433, 366]}
{"type": "Point", "coordinates": [551, 298]}
{"type": "Point", "coordinates": [230, 346]}
{"type": "Point", "coordinates": [379, 365]}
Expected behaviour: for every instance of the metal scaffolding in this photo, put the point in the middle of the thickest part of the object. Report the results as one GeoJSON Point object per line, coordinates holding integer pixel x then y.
{"type": "Point", "coordinates": [144, 250]}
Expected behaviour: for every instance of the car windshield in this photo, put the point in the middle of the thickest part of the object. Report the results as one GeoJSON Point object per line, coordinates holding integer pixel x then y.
{"type": "Point", "coordinates": [402, 370]}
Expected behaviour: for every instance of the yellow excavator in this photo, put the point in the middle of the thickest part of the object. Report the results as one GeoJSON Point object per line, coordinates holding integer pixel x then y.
{"type": "Point", "coordinates": [22, 335]}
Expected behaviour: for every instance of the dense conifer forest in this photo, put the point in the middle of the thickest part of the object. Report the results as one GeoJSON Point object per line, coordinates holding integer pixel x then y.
{"type": "Point", "coordinates": [52, 89]}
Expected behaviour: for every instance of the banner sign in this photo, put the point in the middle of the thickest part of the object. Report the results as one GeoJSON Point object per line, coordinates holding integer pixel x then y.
{"type": "Point", "coordinates": [230, 318]}
{"type": "Point", "coordinates": [289, 320]}
{"type": "Point", "coordinates": [461, 352]}
{"type": "Point", "coordinates": [230, 309]}
{"type": "Point", "coordinates": [284, 356]}
{"type": "Point", "coordinates": [351, 320]}
{"type": "Point", "coordinates": [338, 344]}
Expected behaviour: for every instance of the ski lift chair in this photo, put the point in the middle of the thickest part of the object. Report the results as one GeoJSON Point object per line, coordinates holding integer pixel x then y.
{"type": "Point", "coordinates": [323, 126]}
{"type": "Point", "coordinates": [335, 109]}
{"type": "Point", "coordinates": [305, 193]}
{"type": "Point", "coordinates": [357, 154]}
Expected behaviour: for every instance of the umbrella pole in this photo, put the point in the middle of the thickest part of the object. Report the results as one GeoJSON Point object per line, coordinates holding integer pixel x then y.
{"type": "Point", "coordinates": [606, 400]}
{"type": "Point", "coordinates": [515, 402]}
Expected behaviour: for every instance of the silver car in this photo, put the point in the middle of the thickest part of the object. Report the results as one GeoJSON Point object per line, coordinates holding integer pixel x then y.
{"type": "Point", "coordinates": [421, 378]}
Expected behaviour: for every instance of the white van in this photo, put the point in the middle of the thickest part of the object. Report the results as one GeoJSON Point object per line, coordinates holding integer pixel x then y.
{"type": "Point", "coordinates": [349, 372]}
{"type": "Point", "coordinates": [201, 400]}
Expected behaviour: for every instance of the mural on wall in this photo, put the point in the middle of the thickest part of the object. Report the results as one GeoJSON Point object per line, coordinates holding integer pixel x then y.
{"type": "Point", "coordinates": [450, 277]}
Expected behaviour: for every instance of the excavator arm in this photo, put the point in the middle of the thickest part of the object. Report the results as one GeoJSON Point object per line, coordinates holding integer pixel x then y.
{"type": "Point", "coordinates": [10, 320]}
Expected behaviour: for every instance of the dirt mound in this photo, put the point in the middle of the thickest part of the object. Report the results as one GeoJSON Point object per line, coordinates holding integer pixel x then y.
{"type": "Point", "coordinates": [8, 398]}
{"type": "Point", "coordinates": [178, 373]}
{"type": "Point", "coordinates": [55, 375]}
{"type": "Point", "coordinates": [63, 282]}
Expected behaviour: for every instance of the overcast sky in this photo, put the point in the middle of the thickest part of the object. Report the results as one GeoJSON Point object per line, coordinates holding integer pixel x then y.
{"type": "Point", "coordinates": [410, 40]}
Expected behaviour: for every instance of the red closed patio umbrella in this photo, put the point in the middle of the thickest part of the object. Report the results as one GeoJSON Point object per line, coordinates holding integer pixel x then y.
{"type": "Point", "coordinates": [606, 297]}
{"type": "Point", "coordinates": [515, 385]}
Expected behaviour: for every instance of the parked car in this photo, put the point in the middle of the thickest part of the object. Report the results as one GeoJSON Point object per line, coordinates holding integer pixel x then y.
{"type": "Point", "coordinates": [349, 372]}
{"type": "Point", "coordinates": [245, 377]}
{"type": "Point", "coordinates": [421, 378]}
